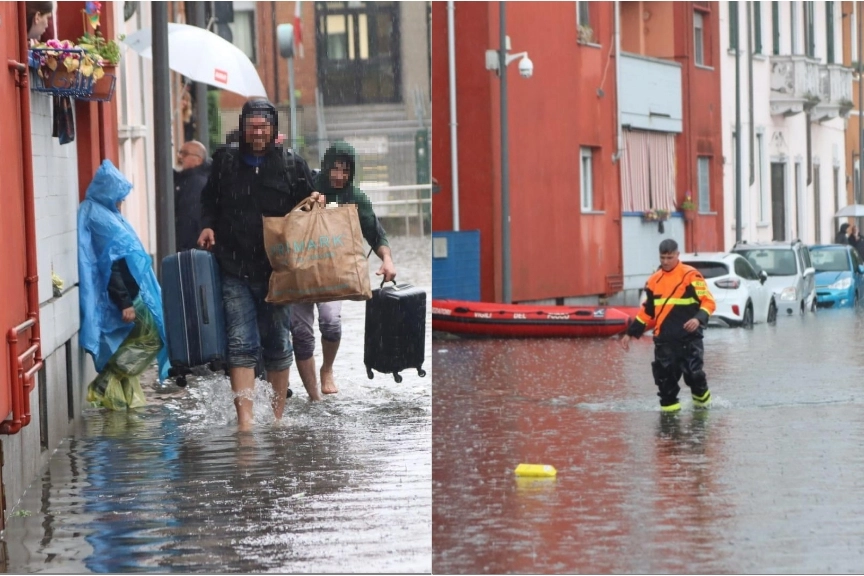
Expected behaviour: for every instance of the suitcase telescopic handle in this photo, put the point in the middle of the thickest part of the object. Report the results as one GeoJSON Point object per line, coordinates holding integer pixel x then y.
{"type": "Point", "coordinates": [205, 315]}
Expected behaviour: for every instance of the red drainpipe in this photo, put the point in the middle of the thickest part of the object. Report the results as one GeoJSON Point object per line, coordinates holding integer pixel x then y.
{"type": "Point", "coordinates": [16, 359]}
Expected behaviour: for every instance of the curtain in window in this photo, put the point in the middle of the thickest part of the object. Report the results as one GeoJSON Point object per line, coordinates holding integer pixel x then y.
{"type": "Point", "coordinates": [648, 171]}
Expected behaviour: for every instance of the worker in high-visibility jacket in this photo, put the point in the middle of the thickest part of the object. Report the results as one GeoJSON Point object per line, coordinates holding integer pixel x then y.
{"type": "Point", "coordinates": [678, 305]}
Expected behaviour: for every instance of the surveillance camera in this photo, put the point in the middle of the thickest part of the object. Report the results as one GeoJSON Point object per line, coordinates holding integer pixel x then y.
{"type": "Point", "coordinates": [526, 67]}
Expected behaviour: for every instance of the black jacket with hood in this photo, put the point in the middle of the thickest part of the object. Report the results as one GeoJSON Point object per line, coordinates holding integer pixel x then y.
{"type": "Point", "coordinates": [241, 189]}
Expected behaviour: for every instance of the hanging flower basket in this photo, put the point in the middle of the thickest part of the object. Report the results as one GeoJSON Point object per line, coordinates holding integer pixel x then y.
{"type": "Point", "coordinates": [688, 207]}
{"type": "Point", "coordinates": [103, 88]}
{"type": "Point", "coordinates": [64, 70]}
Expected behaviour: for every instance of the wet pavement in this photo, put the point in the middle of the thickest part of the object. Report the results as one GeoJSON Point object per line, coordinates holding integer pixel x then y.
{"type": "Point", "coordinates": [339, 486]}
{"type": "Point", "coordinates": [769, 480]}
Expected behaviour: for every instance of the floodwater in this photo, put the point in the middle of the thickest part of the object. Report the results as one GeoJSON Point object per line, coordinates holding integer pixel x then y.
{"type": "Point", "coordinates": [769, 480]}
{"type": "Point", "coordinates": [339, 486]}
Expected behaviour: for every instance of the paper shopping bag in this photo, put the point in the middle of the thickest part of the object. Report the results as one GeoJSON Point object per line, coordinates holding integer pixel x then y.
{"type": "Point", "coordinates": [317, 255]}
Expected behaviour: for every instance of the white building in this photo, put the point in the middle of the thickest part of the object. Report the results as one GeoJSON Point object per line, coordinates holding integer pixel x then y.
{"type": "Point", "coordinates": [788, 192]}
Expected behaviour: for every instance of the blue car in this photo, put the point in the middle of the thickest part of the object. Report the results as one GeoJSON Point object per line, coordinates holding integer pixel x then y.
{"type": "Point", "coordinates": [839, 276]}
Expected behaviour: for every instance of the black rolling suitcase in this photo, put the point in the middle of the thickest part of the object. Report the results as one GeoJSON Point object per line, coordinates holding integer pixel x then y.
{"type": "Point", "coordinates": [194, 315]}
{"type": "Point", "coordinates": [395, 330]}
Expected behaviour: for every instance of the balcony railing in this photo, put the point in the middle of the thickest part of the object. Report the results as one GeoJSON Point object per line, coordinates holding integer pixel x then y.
{"type": "Point", "coordinates": [795, 85]}
{"type": "Point", "coordinates": [835, 92]}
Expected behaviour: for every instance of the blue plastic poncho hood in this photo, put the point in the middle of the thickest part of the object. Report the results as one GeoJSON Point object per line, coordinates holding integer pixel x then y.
{"type": "Point", "coordinates": [104, 236]}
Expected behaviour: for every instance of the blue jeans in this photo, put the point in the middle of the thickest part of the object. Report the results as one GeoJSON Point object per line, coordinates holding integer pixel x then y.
{"type": "Point", "coordinates": [253, 324]}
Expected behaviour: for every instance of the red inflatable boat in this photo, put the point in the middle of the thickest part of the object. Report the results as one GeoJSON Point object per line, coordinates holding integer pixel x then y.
{"type": "Point", "coordinates": [528, 321]}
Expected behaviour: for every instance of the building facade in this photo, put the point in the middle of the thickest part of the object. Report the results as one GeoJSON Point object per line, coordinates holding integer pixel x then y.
{"type": "Point", "coordinates": [852, 26]}
{"type": "Point", "coordinates": [602, 133]}
{"type": "Point", "coordinates": [43, 183]}
{"type": "Point", "coordinates": [793, 119]}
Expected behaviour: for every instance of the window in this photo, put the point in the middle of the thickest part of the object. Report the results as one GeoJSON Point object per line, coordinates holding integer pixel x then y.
{"type": "Point", "coordinates": [757, 27]}
{"type": "Point", "coordinates": [829, 21]}
{"type": "Point", "coordinates": [733, 25]}
{"type": "Point", "coordinates": [584, 13]}
{"type": "Point", "coordinates": [584, 23]}
{"type": "Point", "coordinates": [778, 200]}
{"type": "Point", "coordinates": [710, 269]}
{"type": "Point", "coordinates": [648, 171]}
{"type": "Point", "coordinates": [856, 259]}
{"type": "Point", "coordinates": [587, 181]}
{"type": "Point", "coordinates": [760, 175]}
{"type": "Point", "coordinates": [836, 189]}
{"type": "Point", "coordinates": [699, 38]}
{"type": "Point", "coordinates": [809, 30]}
{"type": "Point", "coordinates": [798, 206]}
{"type": "Point", "coordinates": [855, 190]}
{"type": "Point", "coordinates": [775, 27]}
{"type": "Point", "coordinates": [243, 28]}
{"type": "Point", "coordinates": [703, 173]}
{"type": "Point", "coordinates": [805, 256]}
{"type": "Point", "coordinates": [744, 269]}
{"type": "Point", "coordinates": [793, 12]}
{"type": "Point", "coordinates": [817, 212]}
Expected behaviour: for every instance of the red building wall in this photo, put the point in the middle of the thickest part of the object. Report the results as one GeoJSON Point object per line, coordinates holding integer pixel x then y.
{"type": "Point", "coordinates": [477, 161]}
{"type": "Point", "coordinates": [556, 251]}
{"type": "Point", "coordinates": [12, 257]}
{"type": "Point", "coordinates": [702, 135]}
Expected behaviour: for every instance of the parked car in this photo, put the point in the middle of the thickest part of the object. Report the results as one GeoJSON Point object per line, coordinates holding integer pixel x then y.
{"type": "Point", "coordinates": [739, 290]}
{"type": "Point", "coordinates": [839, 276]}
{"type": "Point", "coordinates": [790, 273]}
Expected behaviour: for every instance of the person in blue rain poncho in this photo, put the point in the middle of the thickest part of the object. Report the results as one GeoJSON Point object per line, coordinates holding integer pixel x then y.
{"type": "Point", "coordinates": [121, 301]}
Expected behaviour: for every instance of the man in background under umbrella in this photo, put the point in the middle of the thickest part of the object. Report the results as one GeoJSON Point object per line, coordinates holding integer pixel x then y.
{"type": "Point", "coordinates": [189, 181]}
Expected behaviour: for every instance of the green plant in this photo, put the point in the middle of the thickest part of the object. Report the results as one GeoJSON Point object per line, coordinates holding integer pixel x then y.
{"type": "Point", "coordinates": [106, 50]}
{"type": "Point", "coordinates": [688, 203]}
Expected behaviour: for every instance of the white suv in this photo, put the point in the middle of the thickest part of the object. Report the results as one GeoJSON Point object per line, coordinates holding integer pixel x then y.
{"type": "Point", "coordinates": [739, 290]}
{"type": "Point", "coordinates": [790, 273]}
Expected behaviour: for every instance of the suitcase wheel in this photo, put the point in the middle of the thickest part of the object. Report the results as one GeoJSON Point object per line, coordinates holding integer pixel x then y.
{"type": "Point", "coordinates": [369, 373]}
{"type": "Point", "coordinates": [421, 372]}
{"type": "Point", "coordinates": [180, 381]}
{"type": "Point", "coordinates": [290, 393]}
{"type": "Point", "coordinates": [397, 377]}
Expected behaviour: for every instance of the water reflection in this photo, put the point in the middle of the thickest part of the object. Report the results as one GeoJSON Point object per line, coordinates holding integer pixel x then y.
{"type": "Point", "coordinates": [765, 481]}
{"type": "Point", "coordinates": [175, 487]}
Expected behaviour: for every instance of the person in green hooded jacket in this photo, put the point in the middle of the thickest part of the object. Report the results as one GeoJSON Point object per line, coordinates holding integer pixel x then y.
{"type": "Point", "coordinates": [336, 183]}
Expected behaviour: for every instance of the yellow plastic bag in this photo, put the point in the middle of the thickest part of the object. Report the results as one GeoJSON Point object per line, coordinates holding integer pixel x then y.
{"type": "Point", "coordinates": [118, 386]}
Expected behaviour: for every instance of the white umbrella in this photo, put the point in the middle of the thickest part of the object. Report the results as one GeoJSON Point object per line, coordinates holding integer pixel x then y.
{"type": "Point", "coordinates": [205, 57]}
{"type": "Point", "coordinates": [852, 211]}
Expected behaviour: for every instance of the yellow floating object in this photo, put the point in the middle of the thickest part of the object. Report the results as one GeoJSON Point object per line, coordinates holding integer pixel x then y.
{"type": "Point", "coordinates": [536, 470]}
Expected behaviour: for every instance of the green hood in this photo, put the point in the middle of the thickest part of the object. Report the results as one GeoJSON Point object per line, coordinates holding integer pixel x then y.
{"type": "Point", "coordinates": [338, 151]}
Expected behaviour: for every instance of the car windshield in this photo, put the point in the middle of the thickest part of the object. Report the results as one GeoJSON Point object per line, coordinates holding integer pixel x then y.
{"type": "Point", "coordinates": [773, 262]}
{"type": "Point", "coordinates": [710, 269]}
{"type": "Point", "coordinates": [830, 260]}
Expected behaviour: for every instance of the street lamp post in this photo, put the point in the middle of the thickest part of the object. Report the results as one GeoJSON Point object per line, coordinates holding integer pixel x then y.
{"type": "Point", "coordinates": [498, 61]}
{"type": "Point", "coordinates": [506, 287]}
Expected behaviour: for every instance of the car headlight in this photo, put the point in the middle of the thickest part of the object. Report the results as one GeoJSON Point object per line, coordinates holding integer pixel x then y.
{"type": "Point", "coordinates": [843, 284]}
{"type": "Point", "coordinates": [789, 293]}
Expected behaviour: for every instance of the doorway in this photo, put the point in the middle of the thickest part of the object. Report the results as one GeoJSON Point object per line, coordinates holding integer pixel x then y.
{"type": "Point", "coordinates": [358, 51]}
{"type": "Point", "coordinates": [778, 200]}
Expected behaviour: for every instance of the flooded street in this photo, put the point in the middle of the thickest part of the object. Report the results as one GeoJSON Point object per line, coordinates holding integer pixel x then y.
{"type": "Point", "coordinates": [768, 480]}
{"type": "Point", "coordinates": [340, 485]}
